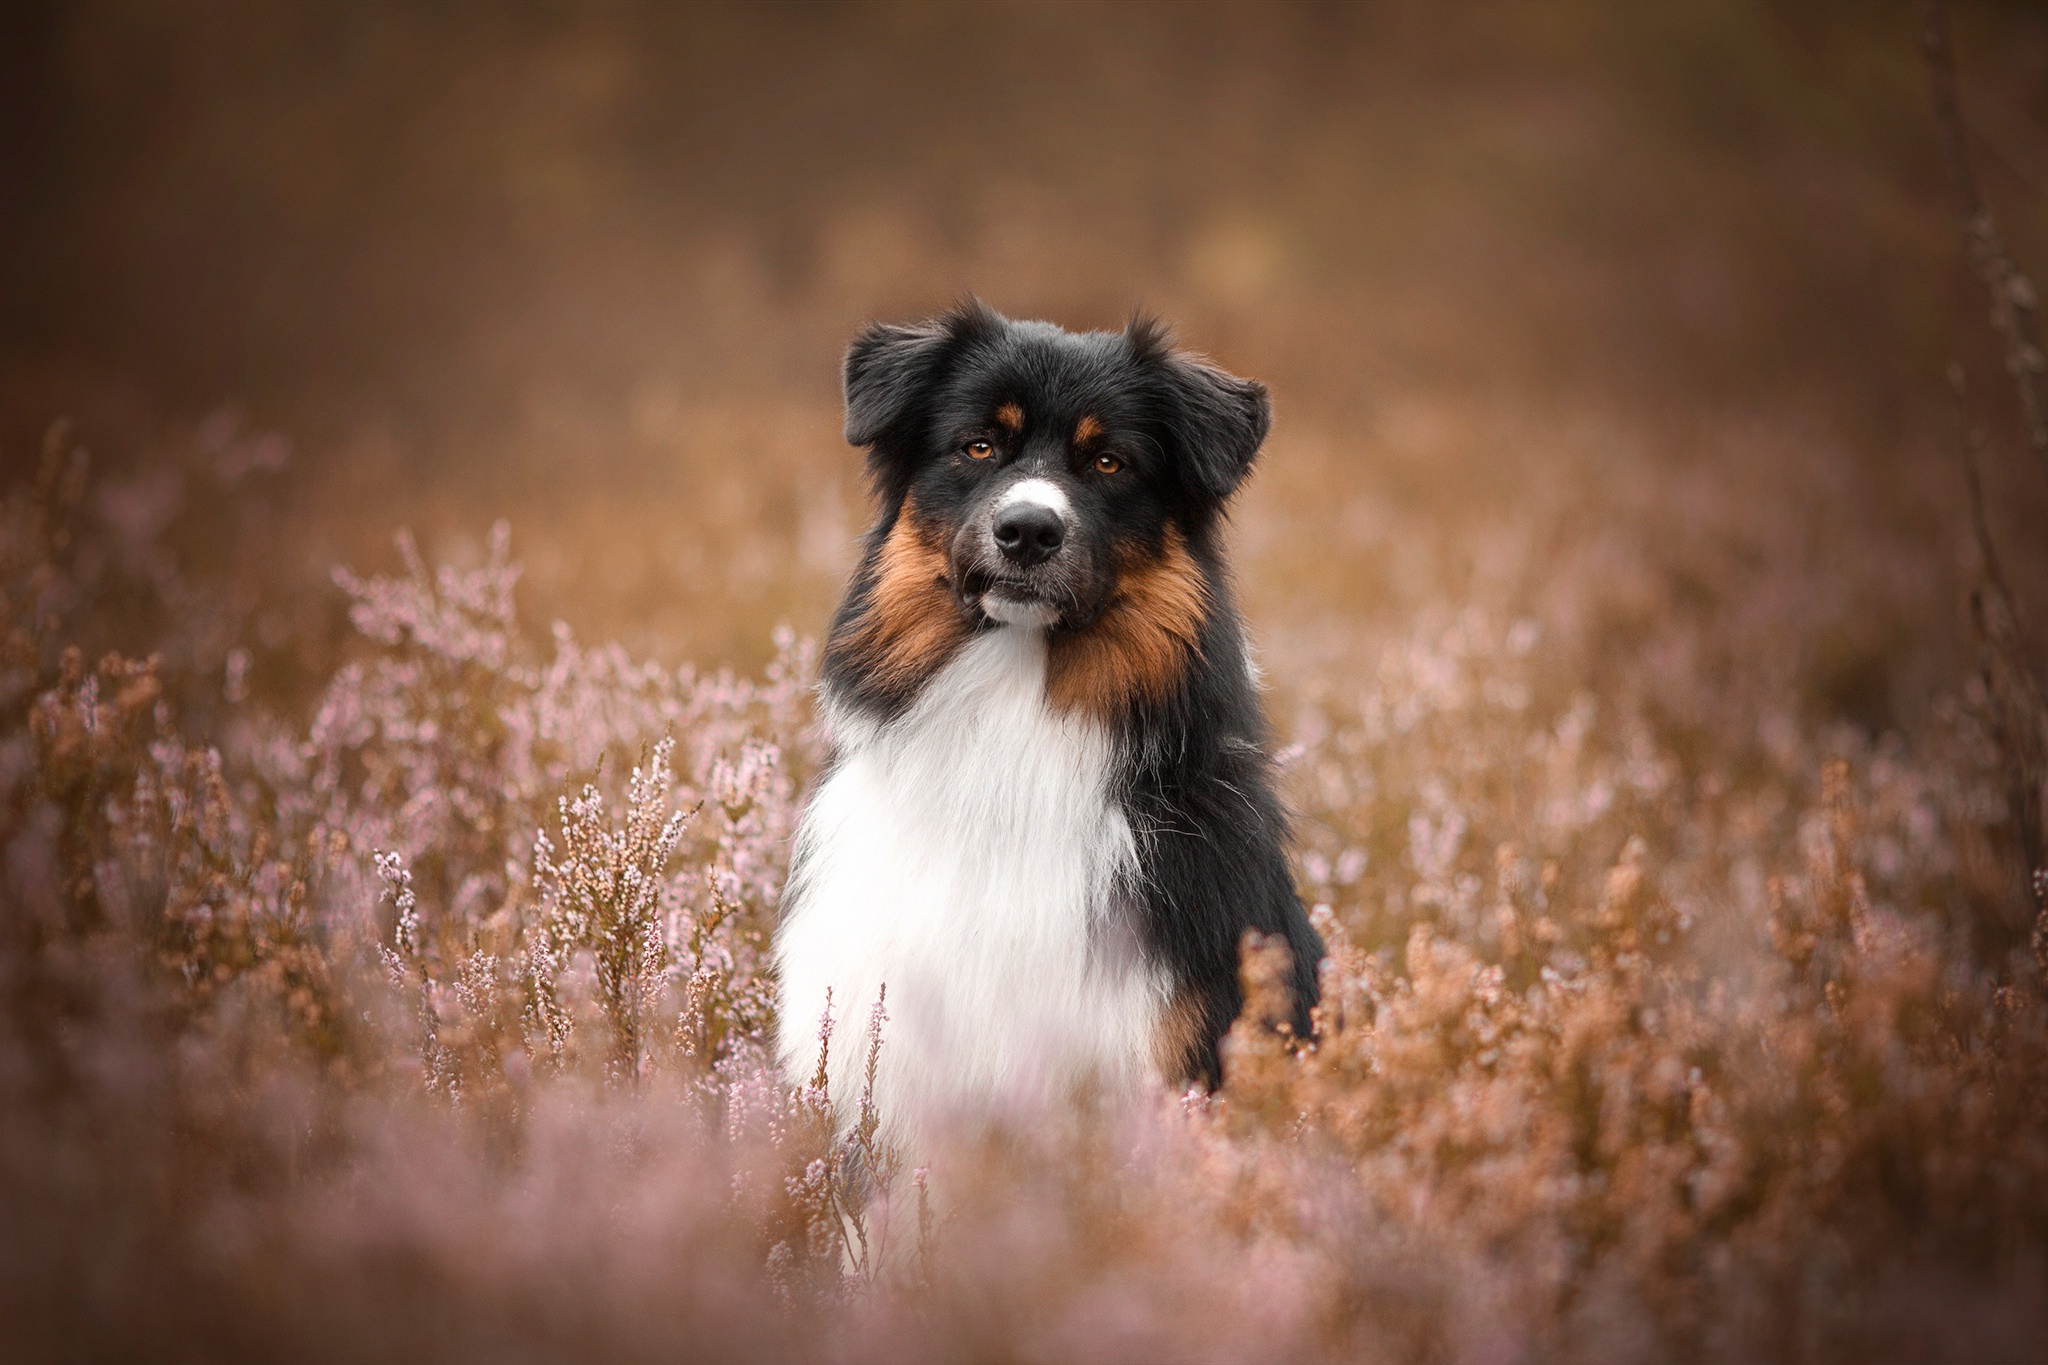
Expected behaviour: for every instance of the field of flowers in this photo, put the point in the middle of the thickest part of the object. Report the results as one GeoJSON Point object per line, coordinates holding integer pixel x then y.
{"type": "Point", "coordinates": [383, 915]}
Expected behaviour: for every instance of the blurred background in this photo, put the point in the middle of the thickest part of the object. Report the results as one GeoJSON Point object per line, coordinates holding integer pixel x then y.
{"type": "Point", "coordinates": [1608, 564]}
{"type": "Point", "coordinates": [1535, 285]}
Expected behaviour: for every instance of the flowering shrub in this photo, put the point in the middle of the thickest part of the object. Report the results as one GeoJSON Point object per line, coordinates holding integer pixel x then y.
{"type": "Point", "coordinates": [438, 1021]}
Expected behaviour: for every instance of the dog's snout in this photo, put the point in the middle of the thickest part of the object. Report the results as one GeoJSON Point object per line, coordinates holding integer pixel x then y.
{"type": "Point", "coordinates": [1028, 533]}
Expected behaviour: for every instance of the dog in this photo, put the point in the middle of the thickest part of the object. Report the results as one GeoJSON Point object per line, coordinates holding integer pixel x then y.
{"type": "Point", "coordinates": [1046, 818]}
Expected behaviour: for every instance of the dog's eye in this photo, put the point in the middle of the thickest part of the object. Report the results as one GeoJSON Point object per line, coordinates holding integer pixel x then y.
{"type": "Point", "coordinates": [1107, 464]}
{"type": "Point", "coordinates": [979, 450]}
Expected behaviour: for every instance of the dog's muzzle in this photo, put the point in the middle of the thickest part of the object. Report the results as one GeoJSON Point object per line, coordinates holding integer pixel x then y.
{"type": "Point", "coordinates": [1015, 567]}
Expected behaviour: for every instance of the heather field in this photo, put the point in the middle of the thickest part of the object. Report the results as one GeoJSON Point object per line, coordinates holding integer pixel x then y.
{"type": "Point", "coordinates": [421, 493]}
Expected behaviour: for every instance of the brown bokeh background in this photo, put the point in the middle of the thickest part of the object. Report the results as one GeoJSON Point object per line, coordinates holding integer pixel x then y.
{"type": "Point", "coordinates": [1518, 274]}
{"type": "Point", "coordinates": [1607, 567]}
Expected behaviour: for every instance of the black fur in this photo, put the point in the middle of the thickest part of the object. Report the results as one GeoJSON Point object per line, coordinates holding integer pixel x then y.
{"type": "Point", "coordinates": [1213, 835]}
{"type": "Point", "coordinates": [1197, 783]}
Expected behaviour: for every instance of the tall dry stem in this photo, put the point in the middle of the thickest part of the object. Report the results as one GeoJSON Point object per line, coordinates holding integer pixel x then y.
{"type": "Point", "coordinates": [2018, 716]}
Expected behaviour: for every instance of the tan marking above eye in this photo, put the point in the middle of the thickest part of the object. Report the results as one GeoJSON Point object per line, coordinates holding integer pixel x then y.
{"type": "Point", "coordinates": [1086, 430]}
{"type": "Point", "coordinates": [979, 450]}
{"type": "Point", "coordinates": [1106, 463]}
{"type": "Point", "coordinates": [1011, 416]}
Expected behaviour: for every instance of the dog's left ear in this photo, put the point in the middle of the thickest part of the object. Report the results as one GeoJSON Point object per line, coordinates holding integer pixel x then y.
{"type": "Point", "coordinates": [1218, 420]}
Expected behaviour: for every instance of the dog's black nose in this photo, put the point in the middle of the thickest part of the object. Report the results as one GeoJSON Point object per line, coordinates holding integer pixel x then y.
{"type": "Point", "coordinates": [1028, 533]}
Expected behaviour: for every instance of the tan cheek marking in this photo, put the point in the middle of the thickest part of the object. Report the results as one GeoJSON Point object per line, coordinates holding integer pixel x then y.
{"type": "Point", "coordinates": [1012, 418]}
{"type": "Point", "coordinates": [1140, 644]}
{"type": "Point", "coordinates": [1176, 1038]}
{"type": "Point", "coordinates": [911, 624]}
{"type": "Point", "coordinates": [1086, 430]}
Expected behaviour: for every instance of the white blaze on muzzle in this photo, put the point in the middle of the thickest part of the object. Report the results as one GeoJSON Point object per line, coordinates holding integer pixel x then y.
{"type": "Point", "coordinates": [1043, 492]}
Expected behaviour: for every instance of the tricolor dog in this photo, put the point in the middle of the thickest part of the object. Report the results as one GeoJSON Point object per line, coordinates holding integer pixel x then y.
{"type": "Point", "coordinates": [1047, 815]}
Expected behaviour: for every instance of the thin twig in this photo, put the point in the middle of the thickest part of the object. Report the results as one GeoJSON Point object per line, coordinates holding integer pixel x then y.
{"type": "Point", "coordinates": [2019, 719]}
{"type": "Point", "coordinates": [2011, 294]}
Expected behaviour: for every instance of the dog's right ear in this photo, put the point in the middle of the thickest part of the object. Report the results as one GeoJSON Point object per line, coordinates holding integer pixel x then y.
{"type": "Point", "coordinates": [887, 370]}
{"type": "Point", "coordinates": [890, 368]}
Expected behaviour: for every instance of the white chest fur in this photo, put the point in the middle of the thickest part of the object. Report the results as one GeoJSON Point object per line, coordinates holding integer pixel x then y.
{"type": "Point", "coordinates": [966, 855]}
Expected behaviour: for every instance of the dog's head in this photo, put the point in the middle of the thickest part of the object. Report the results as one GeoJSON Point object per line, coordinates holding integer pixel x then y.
{"type": "Point", "coordinates": [1047, 474]}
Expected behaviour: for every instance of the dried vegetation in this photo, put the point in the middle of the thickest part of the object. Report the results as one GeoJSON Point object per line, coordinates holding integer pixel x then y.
{"type": "Point", "coordinates": [437, 1023]}
{"type": "Point", "coordinates": [384, 977]}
